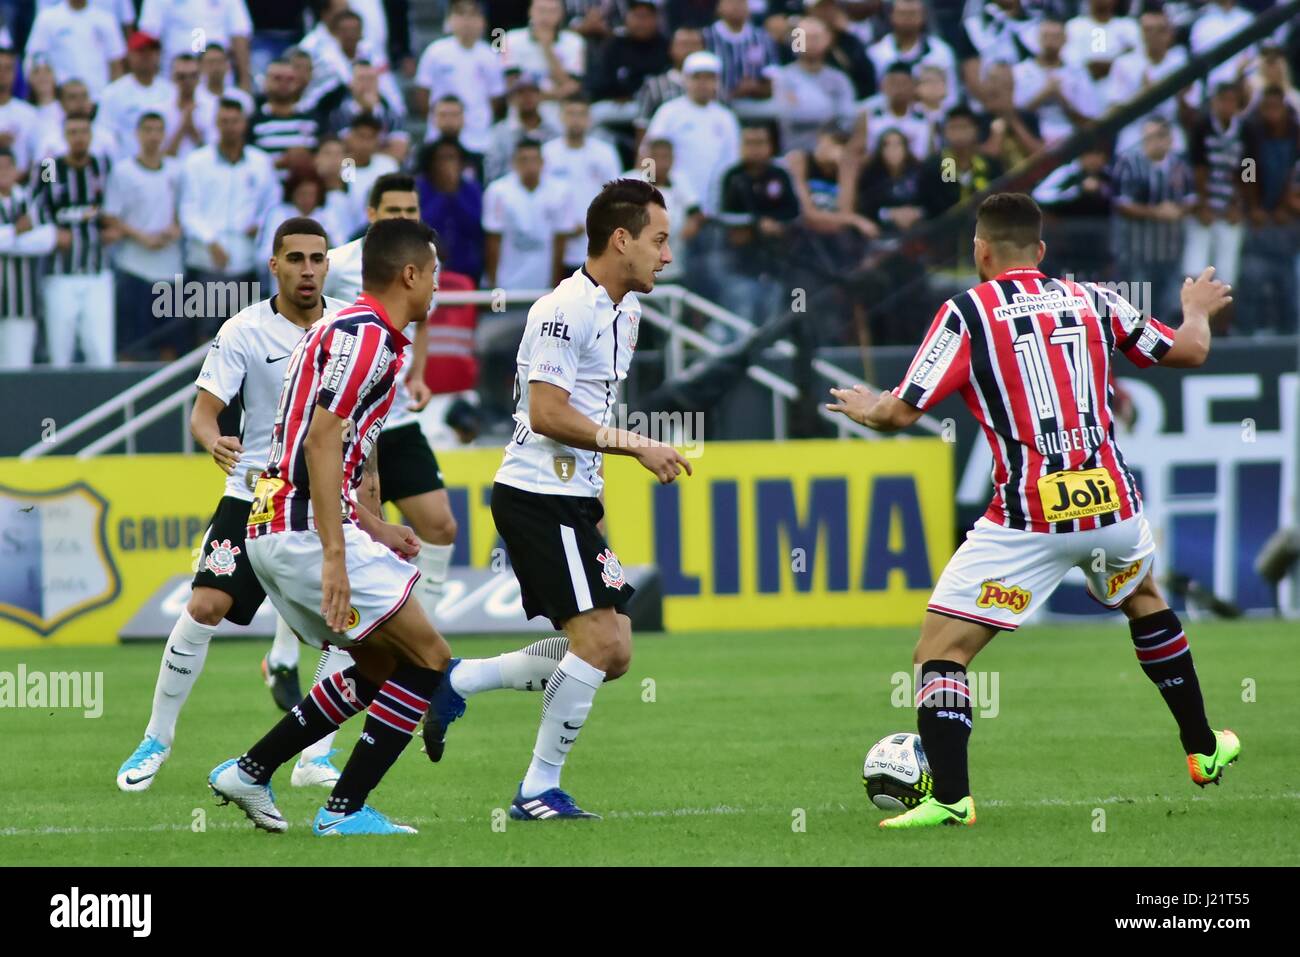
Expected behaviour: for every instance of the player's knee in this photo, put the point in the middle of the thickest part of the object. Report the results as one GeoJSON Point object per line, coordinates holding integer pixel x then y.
{"type": "Point", "coordinates": [444, 529]}
{"type": "Point", "coordinates": [618, 661]}
{"type": "Point", "coordinates": [208, 606]}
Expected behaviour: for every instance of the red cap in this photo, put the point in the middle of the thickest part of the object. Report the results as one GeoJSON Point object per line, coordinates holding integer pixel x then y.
{"type": "Point", "coordinates": [142, 41]}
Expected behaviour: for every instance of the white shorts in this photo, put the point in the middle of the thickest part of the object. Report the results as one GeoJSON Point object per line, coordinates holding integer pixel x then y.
{"type": "Point", "coordinates": [288, 564]}
{"type": "Point", "coordinates": [1000, 576]}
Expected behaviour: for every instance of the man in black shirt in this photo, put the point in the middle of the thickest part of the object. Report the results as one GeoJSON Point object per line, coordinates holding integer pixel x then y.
{"type": "Point", "coordinates": [637, 49]}
{"type": "Point", "coordinates": [278, 127]}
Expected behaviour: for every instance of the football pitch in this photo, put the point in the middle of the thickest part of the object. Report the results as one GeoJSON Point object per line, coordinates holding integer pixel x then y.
{"type": "Point", "coordinates": [715, 749]}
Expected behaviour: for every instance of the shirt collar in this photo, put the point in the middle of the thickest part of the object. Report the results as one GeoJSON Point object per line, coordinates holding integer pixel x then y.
{"type": "Point", "coordinates": [374, 305]}
{"type": "Point", "coordinates": [1020, 272]}
{"type": "Point", "coordinates": [597, 295]}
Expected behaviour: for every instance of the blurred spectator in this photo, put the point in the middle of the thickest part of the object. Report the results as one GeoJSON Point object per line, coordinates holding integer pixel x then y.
{"type": "Point", "coordinates": [462, 64]}
{"type": "Point", "coordinates": [959, 170]}
{"type": "Point", "coordinates": [363, 98]}
{"type": "Point", "coordinates": [304, 195]}
{"type": "Point", "coordinates": [279, 127]}
{"type": "Point", "coordinates": [123, 11]}
{"type": "Point", "coordinates": [809, 93]}
{"type": "Point", "coordinates": [364, 163]}
{"type": "Point", "coordinates": [635, 51]}
{"type": "Point", "coordinates": [225, 188]}
{"type": "Point", "coordinates": [825, 181]}
{"type": "Point", "coordinates": [1150, 63]}
{"type": "Point", "coordinates": [1002, 31]}
{"type": "Point", "coordinates": [1076, 199]}
{"type": "Point", "coordinates": [25, 235]}
{"type": "Point", "coordinates": [189, 125]}
{"type": "Point", "coordinates": [43, 97]}
{"type": "Point", "coordinates": [582, 164]}
{"type": "Point", "coordinates": [888, 193]}
{"type": "Point", "coordinates": [684, 215]}
{"type": "Point", "coordinates": [452, 204]}
{"type": "Point", "coordinates": [80, 41]}
{"type": "Point", "coordinates": [744, 53]}
{"type": "Point", "coordinates": [908, 42]}
{"type": "Point", "coordinates": [1215, 229]}
{"type": "Point", "coordinates": [448, 123]}
{"type": "Point", "coordinates": [526, 219]}
{"type": "Point", "coordinates": [1099, 36]}
{"type": "Point", "coordinates": [1218, 20]}
{"type": "Point", "coordinates": [847, 52]}
{"type": "Point", "coordinates": [19, 122]}
{"type": "Point", "coordinates": [336, 45]}
{"type": "Point", "coordinates": [931, 94]}
{"type": "Point", "coordinates": [177, 22]}
{"type": "Point", "coordinates": [1061, 95]}
{"type": "Point", "coordinates": [1271, 138]}
{"type": "Point", "coordinates": [78, 291]}
{"type": "Point", "coordinates": [691, 14]}
{"type": "Point", "coordinates": [141, 203]}
{"type": "Point", "coordinates": [303, 69]}
{"type": "Point", "coordinates": [1011, 136]}
{"type": "Point", "coordinates": [694, 118]}
{"type": "Point", "coordinates": [557, 57]}
{"type": "Point", "coordinates": [895, 108]}
{"type": "Point", "coordinates": [523, 120]}
{"type": "Point", "coordinates": [760, 208]}
{"type": "Point", "coordinates": [74, 100]}
{"type": "Point", "coordinates": [214, 67]}
{"type": "Point", "coordinates": [452, 369]}
{"type": "Point", "coordinates": [1272, 71]}
{"type": "Point", "coordinates": [1153, 188]}
{"type": "Point", "coordinates": [341, 198]}
{"type": "Point", "coordinates": [140, 90]}
{"type": "Point", "coordinates": [659, 89]}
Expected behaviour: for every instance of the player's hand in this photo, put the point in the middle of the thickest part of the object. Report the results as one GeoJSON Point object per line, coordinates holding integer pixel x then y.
{"type": "Point", "coordinates": [664, 461]}
{"type": "Point", "coordinates": [63, 240]}
{"type": "Point", "coordinates": [856, 403]}
{"type": "Point", "coordinates": [225, 452]}
{"type": "Point", "coordinates": [336, 593]}
{"type": "Point", "coordinates": [420, 393]}
{"type": "Point", "coordinates": [399, 539]}
{"type": "Point", "coordinates": [1205, 293]}
{"type": "Point", "coordinates": [219, 256]}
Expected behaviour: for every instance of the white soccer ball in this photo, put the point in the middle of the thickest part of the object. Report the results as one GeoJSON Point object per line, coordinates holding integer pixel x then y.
{"type": "Point", "coordinates": [896, 773]}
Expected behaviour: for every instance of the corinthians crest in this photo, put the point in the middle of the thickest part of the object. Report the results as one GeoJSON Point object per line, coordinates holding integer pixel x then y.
{"type": "Point", "coordinates": [57, 563]}
{"type": "Point", "coordinates": [221, 560]}
{"type": "Point", "coordinates": [611, 572]}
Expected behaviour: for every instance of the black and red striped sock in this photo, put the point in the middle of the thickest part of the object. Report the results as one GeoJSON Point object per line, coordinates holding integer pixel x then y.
{"type": "Point", "coordinates": [1166, 657]}
{"type": "Point", "coordinates": [943, 719]}
{"type": "Point", "coordinates": [391, 719]}
{"type": "Point", "coordinates": [326, 706]}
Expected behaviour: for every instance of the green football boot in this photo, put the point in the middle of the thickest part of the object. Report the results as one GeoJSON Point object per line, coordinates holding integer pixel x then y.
{"type": "Point", "coordinates": [1208, 768]}
{"type": "Point", "coordinates": [930, 813]}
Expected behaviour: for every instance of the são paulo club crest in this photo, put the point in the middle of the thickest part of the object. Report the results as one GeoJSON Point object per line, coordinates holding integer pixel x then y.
{"type": "Point", "coordinates": [611, 572]}
{"type": "Point", "coordinates": [221, 560]}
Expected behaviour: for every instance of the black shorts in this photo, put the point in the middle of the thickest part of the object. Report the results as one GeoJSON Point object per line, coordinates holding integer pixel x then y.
{"type": "Point", "coordinates": [407, 466]}
{"type": "Point", "coordinates": [224, 564]}
{"type": "Point", "coordinates": [562, 562]}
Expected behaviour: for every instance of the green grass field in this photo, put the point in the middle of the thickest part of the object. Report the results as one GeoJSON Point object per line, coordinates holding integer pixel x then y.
{"type": "Point", "coordinates": [745, 736]}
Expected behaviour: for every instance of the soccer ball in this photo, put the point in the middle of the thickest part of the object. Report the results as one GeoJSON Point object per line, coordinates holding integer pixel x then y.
{"type": "Point", "coordinates": [896, 773]}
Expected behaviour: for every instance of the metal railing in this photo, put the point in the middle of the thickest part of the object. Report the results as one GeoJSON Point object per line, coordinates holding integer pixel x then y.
{"type": "Point", "coordinates": [683, 341]}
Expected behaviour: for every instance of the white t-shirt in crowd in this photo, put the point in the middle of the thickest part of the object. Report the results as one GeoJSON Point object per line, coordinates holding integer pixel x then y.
{"type": "Point", "coordinates": [528, 221]}
{"type": "Point", "coordinates": [20, 121]}
{"type": "Point", "coordinates": [687, 124]}
{"type": "Point", "coordinates": [520, 51]}
{"type": "Point", "coordinates": [176, 22]}
{"type": "Point", "coordinates": [582, 171]}
{"type": "Point", "coordinates": [474, 75]}
{"type": "Point", "coordinates": [77, 44]}
{"type": "Point", "coordinates": [145, 199]}
{"type": "Point", "coordinates": [125, 100]}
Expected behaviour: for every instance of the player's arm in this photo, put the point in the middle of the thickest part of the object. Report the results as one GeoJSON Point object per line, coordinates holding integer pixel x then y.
{"type": "Point", "coordinates": [881, 412]}
{"type": "Point", "coordinates": [224, 449]}
{"type": "Point", "coordinates": [491, 257]}
{"type": "Point", "coordinates": [551, 415]}
{"type": "Point", "coordinates": [1202, 298]}
{"type": "Point", "coordinates": [324, 452]}
{"type": "Point", "coordinates": [370, 514]}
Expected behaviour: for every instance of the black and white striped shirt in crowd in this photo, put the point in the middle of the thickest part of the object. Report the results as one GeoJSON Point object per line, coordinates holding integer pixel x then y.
{"type": "Point", "coordinates": [655, 92]}
{"type": "Point", "coordinates": [743, 56]}
{"type": "Point", "coordinates": [275, 134]}
{"type": "Point", "coordinates": [1144, 183]}
{"type": "Point", "coordinates": [71, 197]}
{"type": "Point", "coordinates": [1218, 148]}
{"type": "Point", "coordinates": [18, 269]}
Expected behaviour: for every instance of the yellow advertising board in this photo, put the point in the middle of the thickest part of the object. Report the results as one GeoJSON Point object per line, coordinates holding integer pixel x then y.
{"type": "Point", "coordinates": [765, 535]}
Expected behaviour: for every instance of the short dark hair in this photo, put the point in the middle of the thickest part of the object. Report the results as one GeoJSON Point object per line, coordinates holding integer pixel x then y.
{"type": "Point", "coordinates": [297, 226]}
{"type": "Point", "coordinates": [185, 58]}
{"type": "Point", "coordinates": [213, 45]}
{"type": "Point", "coordinates": [390, 246]}
{"type": "Point", "coordinates": [528, 143]}
{"type": "Point", "coordinates": [230, 103]}
{"type": "Point", "coordinates": [1010, 220]}
{"type": "Point", "coordinates": [960, 112]}
{"type": "Point", "coordinates": [621, 204]}
{"type": "Point", "coordinates": [390, 183]}
{"type": "Point", "coordinates": [4, 150]}
{"type": "Point", "coordinates": [368, 120]}
{"type": "Point", "coordinates": [77, 117]}
{"type": "Point", "coordinates": [150, 115]}
{"type": "Point", "coordinates": [451, 98]}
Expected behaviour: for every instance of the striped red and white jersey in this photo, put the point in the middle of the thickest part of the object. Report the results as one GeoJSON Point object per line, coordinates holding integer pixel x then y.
{"type": "Point", "coordinates": [1031, 357]}
{"type": "Point", "coordinates": [347, 364]}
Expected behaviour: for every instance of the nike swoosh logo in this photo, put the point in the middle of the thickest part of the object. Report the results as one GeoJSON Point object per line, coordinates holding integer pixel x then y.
{"type": "Point", "coordinates": [269, 360]}
{"type": "Point", "coordinates": [572, 727]}
{"type": "Point", "coordinates": [183, 654]}
{"type": "Point", "coordinates": [329, 825]}
{"type": "Point", "coordinates": [131, 780]}
{"type": "Point", "coordinates": [1210, 769]}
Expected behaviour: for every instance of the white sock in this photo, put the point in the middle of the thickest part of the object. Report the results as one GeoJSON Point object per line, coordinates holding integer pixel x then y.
{"type": "Point", "coordinates": [565, 705]}
{"type": "Point", "coordinates": [527, 669]}
{"type": "Point", "coordinates": [182, 661]}
{"type": "Point", "coordinates": [432, 561]}
{"type": "Point", "coordinates": [284, 649]}
{"type": "Point", "coordinates": [332, 661]}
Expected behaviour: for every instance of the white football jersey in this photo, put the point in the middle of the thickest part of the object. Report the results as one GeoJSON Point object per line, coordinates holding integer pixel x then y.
{"type": "Point", "coordinates": [343, 281]}
{"type": "Point", "coordinates": [248, 358]}
{"type": "Point", "coordinates": [582, 341]}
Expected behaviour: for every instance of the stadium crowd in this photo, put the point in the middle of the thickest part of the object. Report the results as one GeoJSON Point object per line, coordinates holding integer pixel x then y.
{"type": "Point", "coordinates": [795, 140]}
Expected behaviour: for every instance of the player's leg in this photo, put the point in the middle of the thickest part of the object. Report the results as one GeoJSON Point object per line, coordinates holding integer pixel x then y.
{"type": "Point", "coordinates": [430, 517]}
{"type": "Point", "coordinates": [183, 657]}
{"type": "Point", "coordinates": [17, 342]}
{"type": "Point", "coordinates": [314, 767]}
{"type": "Point", "coordinates": [98, 327]}
{"type": "Point", "coordinates": [61, 313]}
{"type": "Point", "coordinates": [280, 666]}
